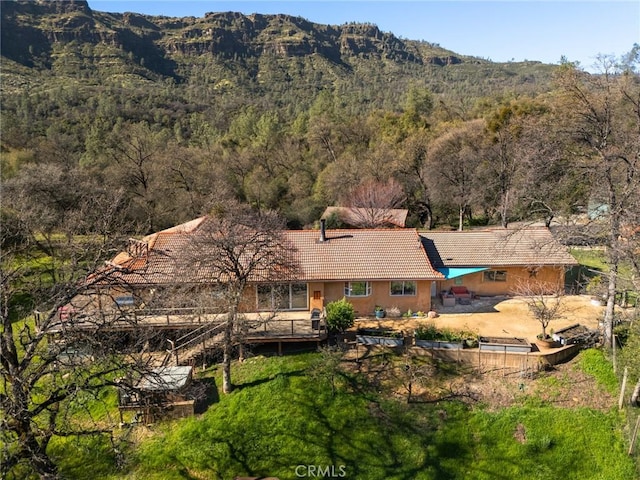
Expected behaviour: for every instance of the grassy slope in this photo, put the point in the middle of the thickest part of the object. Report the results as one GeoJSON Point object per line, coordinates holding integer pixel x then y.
{"type": "Point", "coordinates": [596, 260]}
{"type": "Point", "coordinates": [280, 418]}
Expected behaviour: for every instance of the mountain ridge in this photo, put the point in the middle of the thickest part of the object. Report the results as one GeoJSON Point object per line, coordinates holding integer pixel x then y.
{"type": "Point", "coordinates": [38, 34]}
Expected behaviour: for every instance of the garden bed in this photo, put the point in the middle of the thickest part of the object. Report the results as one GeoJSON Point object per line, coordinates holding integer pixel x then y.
{"type": "Point", "coordinates": [430, 336]}
{"type": "Point", "coordinates": [505, 344]}
{"type": "Point", "coordinates": [387, 338]}
{"type": "Point", "coordinates": [573, 334]}
{"type": "Point", "coordinates": [439, 344]}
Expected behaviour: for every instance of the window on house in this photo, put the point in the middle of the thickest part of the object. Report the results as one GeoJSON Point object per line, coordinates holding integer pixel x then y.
{"type": "Point", "coordinates": [357, 289]}
{"type": "Point", "coordinates": [125, 301]}
{"type": "Point", "coordinates": [404, 288]}
{"type": "Point", "coordinates": [289, 296]}
{"type": "Point", "coordinates": [495, 276]}
{"type": "Point", "coordinates": [264, 297]}
{"type": "Point", "coordinates": [298, 295]}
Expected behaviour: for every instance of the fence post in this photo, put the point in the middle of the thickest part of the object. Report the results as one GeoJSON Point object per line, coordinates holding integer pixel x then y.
{"type": "Point", "coordinates": [173, 350]}
{"type": "Point", "coordinates": [634, 436]}
{"type": "Point", "coordinates": [623, 388]}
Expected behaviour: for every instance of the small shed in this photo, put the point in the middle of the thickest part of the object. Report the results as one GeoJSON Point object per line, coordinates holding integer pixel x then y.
{"type": "Point", "coordinates": [162, 393]}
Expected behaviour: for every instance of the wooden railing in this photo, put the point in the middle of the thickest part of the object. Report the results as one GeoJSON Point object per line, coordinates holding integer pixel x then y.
{"type": "Point", "coordinates": [254, 325]}
{"type": "Point", "coordinates": [189, 346]}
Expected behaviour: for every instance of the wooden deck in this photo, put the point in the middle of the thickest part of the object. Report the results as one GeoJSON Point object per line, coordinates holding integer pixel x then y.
{"type": "Point", "coordinates": [257, 327]}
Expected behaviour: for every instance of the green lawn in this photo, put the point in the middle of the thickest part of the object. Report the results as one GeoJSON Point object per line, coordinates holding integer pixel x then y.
{"type": "Point", "coordinates": [596, 260]}
{"type": "Point", "coordinates": [281, 421]}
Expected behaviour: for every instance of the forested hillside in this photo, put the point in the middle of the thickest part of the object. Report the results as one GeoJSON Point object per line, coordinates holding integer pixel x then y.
{"type": "Point", "coordinates": [117, 125]}
{"type": "Point", "coordinates": [158, 119]}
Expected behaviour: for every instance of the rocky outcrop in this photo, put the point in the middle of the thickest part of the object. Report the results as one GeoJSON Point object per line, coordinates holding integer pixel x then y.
{"type": "Point", "coordinates": [442, 61]}
{"type": "Point", "coordinates": [227, 35]}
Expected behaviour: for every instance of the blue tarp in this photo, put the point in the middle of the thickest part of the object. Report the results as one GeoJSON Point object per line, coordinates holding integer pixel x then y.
{"type": "Point", "coordinates": [459, 272]}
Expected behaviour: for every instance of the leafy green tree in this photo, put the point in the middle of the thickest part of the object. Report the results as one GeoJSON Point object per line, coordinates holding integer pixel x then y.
{"type": "Point", "coordinates": [455, 157]}
{"type": "Point", "coordinates": [418, 108]}
{"type": "Point", "coordinates": [413, 172]}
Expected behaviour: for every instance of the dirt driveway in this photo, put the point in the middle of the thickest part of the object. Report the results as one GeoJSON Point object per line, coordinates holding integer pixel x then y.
{"type": "Point", "coordinates": [498, 316]}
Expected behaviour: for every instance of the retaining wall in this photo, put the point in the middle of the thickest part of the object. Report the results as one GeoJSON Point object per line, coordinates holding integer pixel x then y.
{"type": "Point", "coordinates": [483, 360]}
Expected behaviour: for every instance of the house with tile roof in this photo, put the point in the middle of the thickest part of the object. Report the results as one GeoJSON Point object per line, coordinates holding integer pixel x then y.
{"type": "Point", "coordinates": [495, 261]}
{"type": "Point", "coordinates": [400, 268]}
{"type": "Point", "coordinates": [370, 267]}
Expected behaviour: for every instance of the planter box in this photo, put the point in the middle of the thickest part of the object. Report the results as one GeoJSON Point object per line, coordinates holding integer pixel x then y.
{"type": "Point", "coordinates": [439, 344]}
{"type": "Point", "coordinates": [373, 340]}
{"type": "Point", "coordinates": [570, 335]}
{"type": "Point", "coordinates": [448, 301]}
{"type": "Point", "coordinates": [505, 344]}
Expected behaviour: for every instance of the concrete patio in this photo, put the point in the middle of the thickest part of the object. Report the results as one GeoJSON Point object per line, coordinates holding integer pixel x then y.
{"type": "Point", "coordinates": [496, 316]}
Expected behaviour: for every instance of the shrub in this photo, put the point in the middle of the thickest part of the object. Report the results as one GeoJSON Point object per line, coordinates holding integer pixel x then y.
{"type": "Point", "coordinates": [430, 332]}
{"type": "Point", "coordinates": [340, 315]}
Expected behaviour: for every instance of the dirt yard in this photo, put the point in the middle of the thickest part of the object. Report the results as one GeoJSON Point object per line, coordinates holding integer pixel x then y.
{"type": "Point", "coordinates": [497, 316]}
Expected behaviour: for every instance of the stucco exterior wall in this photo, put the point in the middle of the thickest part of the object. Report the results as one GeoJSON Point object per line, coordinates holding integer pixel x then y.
{"type": "Point", "coordinates": [381, 295]}
{"type": "Point", "coordinates": [476, 282]}
{"type": "Point", "coordinates": [321, 293]}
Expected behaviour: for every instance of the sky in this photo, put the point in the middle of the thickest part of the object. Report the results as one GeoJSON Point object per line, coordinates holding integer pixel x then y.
{"type": "Point", "coordinates": [501, 31]}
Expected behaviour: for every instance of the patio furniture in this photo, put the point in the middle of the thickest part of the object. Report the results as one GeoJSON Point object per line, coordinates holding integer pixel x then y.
{"type": "Point", "coordinates": [462, 295]}
{"type": "Point", "coordinates": [448, 300]}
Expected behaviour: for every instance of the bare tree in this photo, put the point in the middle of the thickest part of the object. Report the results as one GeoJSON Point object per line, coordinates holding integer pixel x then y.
{"type": "Point", "coordinates": [54, 365]}
{"type": "Point", "coordinates": [603, 113]}
{"type": "Point", "coordinates": [328, 367]}
{"type": "Point", "coordinates": [415, 371]}
{"type": "Point", "coordinates": [234, 247]}
{"type": "Point", "coordinates": [372, 202]}
{"type": "Point", "coordinates": [503, 163]}
{"type": "Point", "coordinates": [544, 299]}
{"type": "Point", "coordinates": [137, 150]}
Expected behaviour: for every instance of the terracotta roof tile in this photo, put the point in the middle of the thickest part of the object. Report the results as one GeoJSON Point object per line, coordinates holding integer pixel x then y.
{"type": "Point", "coordinates": [484, 248]}
{"type": "Point", "coordinates": [362, 254]}
{"type": "Point", "coordinates": [359, 254]}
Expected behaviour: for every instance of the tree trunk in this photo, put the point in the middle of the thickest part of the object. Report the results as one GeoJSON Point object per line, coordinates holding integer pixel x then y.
{"type": "Point", "coordinates": [504, 210]}
{"type": "Point", "coordinates": [460, 217]}
{"type": "Point", "coordinates": [40, 461]}
{"type": "Point", "coordinates": [611, 303]}
{"type": "Point", "coordinates": [227, 350]}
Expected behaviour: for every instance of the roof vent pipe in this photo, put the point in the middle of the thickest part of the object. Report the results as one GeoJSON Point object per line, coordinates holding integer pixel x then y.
{"type": "Point", "coordinates": [323, 230]}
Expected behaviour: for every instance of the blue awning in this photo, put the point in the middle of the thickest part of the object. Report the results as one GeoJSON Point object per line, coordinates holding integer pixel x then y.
{"type": "Point", "coordinates": [459, 272]}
